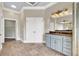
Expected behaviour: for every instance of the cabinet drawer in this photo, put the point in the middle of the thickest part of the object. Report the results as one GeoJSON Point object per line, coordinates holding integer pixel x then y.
{"type": "Point", "coordinates": [53, 36]}
{"type": "Point", "coordinates": [66, 43]}
{"type": "Point", "coordinates": [67, 46]}
{"type": "Point", "coordinates": [67, 52]}
{"type": "Point", "coordinates": [66, 40]}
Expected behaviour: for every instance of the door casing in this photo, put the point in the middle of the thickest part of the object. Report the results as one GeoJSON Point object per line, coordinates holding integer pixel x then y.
{"type": "Point", "coordinates": [16, 25]}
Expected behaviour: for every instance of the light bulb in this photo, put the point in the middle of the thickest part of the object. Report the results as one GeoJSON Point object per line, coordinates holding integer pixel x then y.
{"type": "Point", "coordinates": [13, 6]}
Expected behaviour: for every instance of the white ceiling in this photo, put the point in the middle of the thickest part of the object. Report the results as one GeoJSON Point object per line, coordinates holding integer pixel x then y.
{"type": "Point", "coordinates": [20, 5]}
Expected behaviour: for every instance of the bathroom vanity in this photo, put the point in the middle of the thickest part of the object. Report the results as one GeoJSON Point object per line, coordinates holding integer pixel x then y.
{"type": "Point", "coordinates": [60, 41]}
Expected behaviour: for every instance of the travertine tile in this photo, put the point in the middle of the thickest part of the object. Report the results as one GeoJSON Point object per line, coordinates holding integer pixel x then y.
{"type": "Point", "coordinates": [17, 48]}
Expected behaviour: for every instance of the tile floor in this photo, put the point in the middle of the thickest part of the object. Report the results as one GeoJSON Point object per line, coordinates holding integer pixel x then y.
{"type": "Point", "coordinates": [17, 48]}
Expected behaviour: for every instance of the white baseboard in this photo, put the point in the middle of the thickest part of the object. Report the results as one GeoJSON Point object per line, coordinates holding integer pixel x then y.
{"type": "Point", "coordinates": [18, 38]}
{"type": "Point", "coordinates": [24, 41]}
{"type": "Point", "coordinates": [10, 37]}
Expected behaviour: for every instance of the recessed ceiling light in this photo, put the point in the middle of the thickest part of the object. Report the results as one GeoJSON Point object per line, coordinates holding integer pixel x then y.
{"type": "Point", "coordinates": [13, 6]}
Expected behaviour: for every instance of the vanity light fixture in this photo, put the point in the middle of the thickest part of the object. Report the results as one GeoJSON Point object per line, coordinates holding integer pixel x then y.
{"type": "Point", "coordinates": [13, 6]}
{"type": "Point", "coordinates": [66, 11]}
{"type": "Point", "coordinates": [64, 22]}
{"type": "Point", "coordinates": [60, 13]}
{"type": "Point", "coordinates": [56, 15]}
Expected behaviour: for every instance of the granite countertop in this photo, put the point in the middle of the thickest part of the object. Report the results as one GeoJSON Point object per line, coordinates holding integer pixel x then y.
{"type": "Point", "coordinates": [61, 33]}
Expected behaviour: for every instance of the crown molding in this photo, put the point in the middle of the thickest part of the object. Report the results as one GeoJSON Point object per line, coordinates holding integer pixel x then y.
{"type": "Point", "coordinates": [37, 7]}
{"type": "Point", "coordinates": [50, 4]}
{"type": "Point", "coordinates": [32, 8]}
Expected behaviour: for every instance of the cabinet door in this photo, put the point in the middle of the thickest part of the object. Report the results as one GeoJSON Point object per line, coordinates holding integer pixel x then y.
{"type": "Point", "coordinates": [47, 38]}
{"type": "Point", "coordinates": [59, 43]}
{"type": "Point", "coordinates": [67, 45]}
{"type": "Point", "coordinates": [53, 42]}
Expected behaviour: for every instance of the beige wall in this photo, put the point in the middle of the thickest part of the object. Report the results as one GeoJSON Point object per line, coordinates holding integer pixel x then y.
{"type": "Point", "coordinates": [10, 14]}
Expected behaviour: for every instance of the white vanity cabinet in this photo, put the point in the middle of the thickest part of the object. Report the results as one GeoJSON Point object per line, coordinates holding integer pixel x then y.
{"type": "Point", "coordinates": [59, 43]}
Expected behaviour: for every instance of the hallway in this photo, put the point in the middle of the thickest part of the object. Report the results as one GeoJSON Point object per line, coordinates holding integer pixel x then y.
{"type": "Point", "coordinates": [17, 48]}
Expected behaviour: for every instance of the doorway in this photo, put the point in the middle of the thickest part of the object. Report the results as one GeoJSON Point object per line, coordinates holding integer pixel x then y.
{"type": "Point", "coordinates": [10, 30]}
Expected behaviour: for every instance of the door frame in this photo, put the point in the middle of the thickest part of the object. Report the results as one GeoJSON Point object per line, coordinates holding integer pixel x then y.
{"type": "Point", "coordinates": [16, 25]}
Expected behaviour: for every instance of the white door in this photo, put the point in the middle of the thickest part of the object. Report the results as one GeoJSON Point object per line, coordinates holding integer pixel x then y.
{"type": "Point", "coordinates": [34, 29]}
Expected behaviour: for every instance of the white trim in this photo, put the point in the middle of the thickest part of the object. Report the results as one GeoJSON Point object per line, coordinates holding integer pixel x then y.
{"type": "Point", "coordinates": [25, 41]}
{"type": "Point", "coordinates": [29, 3]}
{"type": "Point", "coordinates": [47, 6]}
{"type": "Point", "coordinates": [9, 19]}
{"type": "Point", "coordinates": [74, 46]}
{"type": "Point", "coordinates": [32, 8]}
{"type": "Point", "coordinates": [11, 37]}
{"type": "Point", "coordinates": [37, 7]}
{"type": "Point", "coordinates": [35, 3]}
{"type": "Point", "coordinates": [17, 35]}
